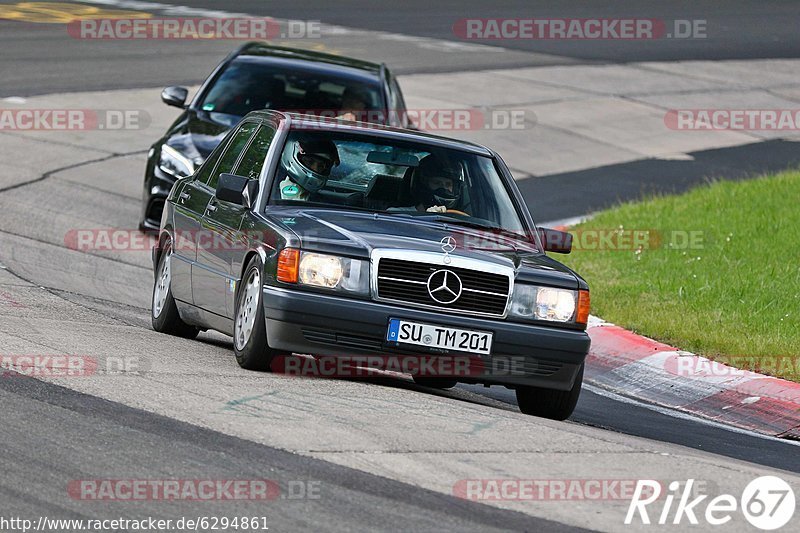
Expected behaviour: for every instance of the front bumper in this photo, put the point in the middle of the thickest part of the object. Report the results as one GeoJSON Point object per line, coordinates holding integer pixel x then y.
{"type": "Point", "coordinates": [319, 324]}
{"type": "Point", "coordinates": [157, 187]}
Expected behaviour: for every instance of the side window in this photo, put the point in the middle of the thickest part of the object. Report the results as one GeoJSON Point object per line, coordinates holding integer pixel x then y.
{"type": "Point", "coordinates": [253, 160]}
{"type": "Point", "coordinates": [232, 153]}
{"type": "Point", "coordinates": [204, 172]}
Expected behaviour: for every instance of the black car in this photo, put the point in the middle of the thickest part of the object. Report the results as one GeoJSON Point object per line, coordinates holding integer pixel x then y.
{"type": "Point", "coordinates": [302, 235]}
{"type": "Point", "coordinates": [258, 76]}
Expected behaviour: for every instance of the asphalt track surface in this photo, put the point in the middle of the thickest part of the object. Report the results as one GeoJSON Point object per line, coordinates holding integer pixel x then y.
{"type": "Point", "coordinates": [40, 58]}
{"type": "Point", "coordinates": [76, 436]}
{"type": "Point", "coordinates": [92, 435]}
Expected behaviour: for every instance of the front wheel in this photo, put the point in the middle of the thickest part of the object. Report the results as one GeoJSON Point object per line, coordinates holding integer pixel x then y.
{"type": "Point", "coordinates": [164, 312]}
{"type": "Point", "coordinates": [249, 328]}
{"type": "Point", "coordinates": [547, 403]}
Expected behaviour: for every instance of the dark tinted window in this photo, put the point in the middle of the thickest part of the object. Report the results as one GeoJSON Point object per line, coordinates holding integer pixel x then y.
{"type": "Point", "coordinates": [204, 172]}
{"type": "Point", "coordinates": [232, 152]}
{"type": "Point", "coordinates": [248, 84]}
{"type": "Point", "coordinates": [253, 160]}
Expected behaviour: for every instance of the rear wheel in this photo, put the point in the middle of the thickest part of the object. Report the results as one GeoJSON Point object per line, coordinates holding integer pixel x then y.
{"type": "Point", "coordinates": [249, 328]}
{"type": "Point", "coordinates": [164, 311]}
{"type": "Point", "coordinates": [547, 403]}
{"type": "Point", "coordinates": [435, 383]}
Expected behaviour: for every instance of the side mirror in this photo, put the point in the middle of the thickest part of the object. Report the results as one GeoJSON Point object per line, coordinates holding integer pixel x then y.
{"type": "Point", "coordinates": [237, 190]}
{"type": "Point", "coordinates": [175, 96]}
{"type": "Point", "coordinates": [556, 241]}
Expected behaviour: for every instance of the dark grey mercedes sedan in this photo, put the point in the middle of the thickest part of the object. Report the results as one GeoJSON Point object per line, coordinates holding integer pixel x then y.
{"type": "Point", "coordinates": [365, 243]}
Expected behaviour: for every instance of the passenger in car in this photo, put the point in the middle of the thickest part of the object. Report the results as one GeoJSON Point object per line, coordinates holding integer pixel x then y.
{"type": "Point", "coordinates": [435, 187]}
{"type": "Point", "coordinates": [354, 102]}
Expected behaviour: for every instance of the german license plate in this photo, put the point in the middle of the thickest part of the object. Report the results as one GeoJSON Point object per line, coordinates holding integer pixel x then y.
{"type": "Point", "coordinates": [431, 336]}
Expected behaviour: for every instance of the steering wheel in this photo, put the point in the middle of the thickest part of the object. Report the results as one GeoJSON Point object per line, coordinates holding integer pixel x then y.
{"type": "Point", "coordinates": [456, 212]}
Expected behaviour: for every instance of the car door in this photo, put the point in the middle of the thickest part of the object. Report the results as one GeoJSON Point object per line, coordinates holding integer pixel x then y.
{"type": "Point", "coordinates": [210, 277]}
{"type": "Point", "coordinates": [224, 219]}
{"type": "Point", "coordinates": [190, 204]}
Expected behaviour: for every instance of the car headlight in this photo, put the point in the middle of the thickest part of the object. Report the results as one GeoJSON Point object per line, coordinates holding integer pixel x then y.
{"type": "Point", "coordinates": [551, 304]}
{"type": "Point", "coordinates": [326, 271]}
{"type": "Point", "coordinates": [175, 163]}
{"type": "Point", "coordinates": [320, 270]}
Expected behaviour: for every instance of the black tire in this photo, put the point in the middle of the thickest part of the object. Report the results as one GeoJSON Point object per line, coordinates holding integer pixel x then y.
{"type": "Point", "coordinates": [166, 319]}
{"type": "Point", "coordinates": [548, 403]}
{"type": "Point", "coordinates": [255, 353]}
{"type": "Point", "coordinates": [435, 383]}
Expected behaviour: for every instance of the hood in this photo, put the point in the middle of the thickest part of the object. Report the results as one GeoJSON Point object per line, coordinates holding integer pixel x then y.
{"type": "Point", "coordinates": [197, 133]}
{"type": "Point", "coordinates": [356, 234]}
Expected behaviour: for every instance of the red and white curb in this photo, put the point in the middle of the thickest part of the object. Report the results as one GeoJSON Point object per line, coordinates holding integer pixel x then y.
{"type": "Point", "coordinates": [637, 367]}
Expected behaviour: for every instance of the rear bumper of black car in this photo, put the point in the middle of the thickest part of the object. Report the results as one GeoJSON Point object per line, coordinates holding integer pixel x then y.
{"type": "Point", "coordinates": [319, 324]}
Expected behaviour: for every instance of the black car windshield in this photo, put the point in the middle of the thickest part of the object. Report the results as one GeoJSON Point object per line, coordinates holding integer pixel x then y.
{"type": "Point", "coordinates": [248, 84]}
{"type": "Point", "coordinates": [402, 178]}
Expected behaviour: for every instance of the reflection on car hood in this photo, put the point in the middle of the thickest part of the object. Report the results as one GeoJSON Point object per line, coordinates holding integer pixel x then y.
{"type": "Point", "coordinates": [357, 234]}
{"type": "Point", "coordinates": [199, 133]}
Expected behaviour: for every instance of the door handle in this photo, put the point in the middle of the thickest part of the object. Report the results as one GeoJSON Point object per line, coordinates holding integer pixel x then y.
{"type": "Point", "coordinates": [211, 207]}
{"type": "Point", "coordinates": [185, 196]}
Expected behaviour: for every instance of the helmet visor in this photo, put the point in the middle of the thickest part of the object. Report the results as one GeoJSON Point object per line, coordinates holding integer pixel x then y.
{"type": "Point", "coordinates": [316, 162]}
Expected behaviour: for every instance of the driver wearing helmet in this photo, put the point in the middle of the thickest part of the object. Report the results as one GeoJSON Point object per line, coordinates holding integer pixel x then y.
{"type": "Point", "coordinates": [437, 186]}
{"type": "Point", "coordinates": [308, 164]}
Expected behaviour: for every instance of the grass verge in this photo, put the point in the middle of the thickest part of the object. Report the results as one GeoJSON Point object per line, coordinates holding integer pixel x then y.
{"type": "Point", "coordinates": [715, 271]}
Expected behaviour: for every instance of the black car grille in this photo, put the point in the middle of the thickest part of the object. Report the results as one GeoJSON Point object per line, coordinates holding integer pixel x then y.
{"type": "Point", "coordinates": [154, 211]}
{"type": "Point", "coordinates": [407, 281]}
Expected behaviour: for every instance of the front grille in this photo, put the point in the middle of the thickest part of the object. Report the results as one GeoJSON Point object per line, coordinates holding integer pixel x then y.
{"type": "Point", "coordinates": [407, 281]}
{"type": "Point", "coordinates": [333, 337]}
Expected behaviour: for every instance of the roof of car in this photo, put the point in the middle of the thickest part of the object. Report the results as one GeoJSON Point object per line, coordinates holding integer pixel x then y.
{"type": "Point", "coordinates": [264, 50]}
{"type": "Point", "coordinates": [316, 123]}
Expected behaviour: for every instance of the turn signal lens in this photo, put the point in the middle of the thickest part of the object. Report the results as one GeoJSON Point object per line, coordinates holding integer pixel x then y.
{"type": "Point", "coordinates": [583, 307]}
{"type": "Point", "coordinates": [288, 261]}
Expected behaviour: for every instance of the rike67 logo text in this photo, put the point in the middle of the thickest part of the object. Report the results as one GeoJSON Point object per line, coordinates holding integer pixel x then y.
{"type": "Point", "coordinates": [767, 503]}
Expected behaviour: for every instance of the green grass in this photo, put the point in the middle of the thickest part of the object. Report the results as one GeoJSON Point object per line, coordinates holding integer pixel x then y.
{"type": "Point", "coordinates": [736, 295]}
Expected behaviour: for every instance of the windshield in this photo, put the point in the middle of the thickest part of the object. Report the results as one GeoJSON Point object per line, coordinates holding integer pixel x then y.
{"type": "Point", "coordinates": [247, 85]}
{"type": "Point", "coordinates": [365, 172]}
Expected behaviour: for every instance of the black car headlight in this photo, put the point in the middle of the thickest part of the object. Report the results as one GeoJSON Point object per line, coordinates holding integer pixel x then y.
{"type": "Point", "coordinates": [533, 302]}
{"type": "Point", "coordinates": [175, 163]}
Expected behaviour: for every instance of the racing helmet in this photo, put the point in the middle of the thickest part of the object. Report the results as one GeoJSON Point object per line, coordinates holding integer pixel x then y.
{"type": "Point", "coordinates": [431, 169]}
{"type": "Point", "coordinates": [309, 162]}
